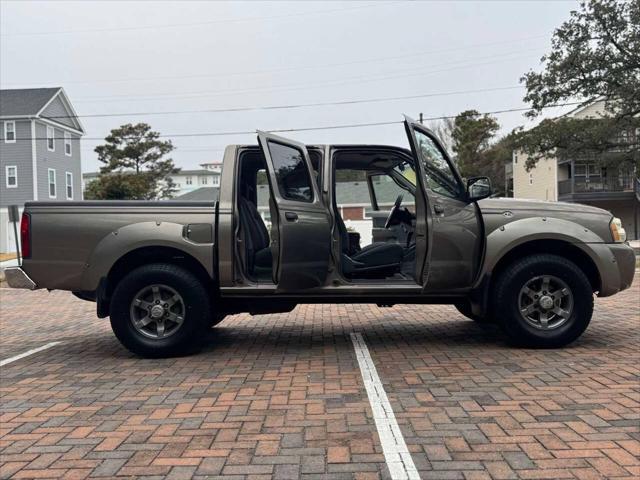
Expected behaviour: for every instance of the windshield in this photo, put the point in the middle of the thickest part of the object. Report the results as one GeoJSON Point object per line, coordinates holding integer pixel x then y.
{"type": "Point", "coordinates": [406, 170]}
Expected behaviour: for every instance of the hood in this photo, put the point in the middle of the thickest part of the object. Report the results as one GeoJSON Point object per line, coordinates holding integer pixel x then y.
{"type": "Point", "coordinates": [500, 205]}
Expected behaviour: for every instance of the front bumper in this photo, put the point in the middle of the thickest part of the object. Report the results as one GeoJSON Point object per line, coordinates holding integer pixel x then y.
{"type": "Point", "coordinates": [17, 278]}
{"type": "Point", "coordinates": [625, 258]}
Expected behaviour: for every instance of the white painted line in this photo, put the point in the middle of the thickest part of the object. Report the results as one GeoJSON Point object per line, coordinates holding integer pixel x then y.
{"type": "Point", "coordinates": [27, 353]}
{"type": "Point", "coordinates": [396, 453]}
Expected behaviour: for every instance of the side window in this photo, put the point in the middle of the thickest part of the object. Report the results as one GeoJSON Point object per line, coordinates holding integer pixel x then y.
{"type": "Point", "coordinates": [387, 190]}
{"type": "Point", "coordinates": [67, 144]}
{"type": "Point", "coordinates": [291, 171]}
{"type": "Point", "coordinates": [10, 132]}
{"type": "Point", "coordinates": [51, 144]}
{"type": "Point", "coordinates": [440, 177]}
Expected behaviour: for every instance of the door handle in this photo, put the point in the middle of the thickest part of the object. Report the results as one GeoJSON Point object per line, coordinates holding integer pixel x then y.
{"type": "Point", "coordinates": [291, 216]}
{"type": "Point", "coordinates": [437, 208]}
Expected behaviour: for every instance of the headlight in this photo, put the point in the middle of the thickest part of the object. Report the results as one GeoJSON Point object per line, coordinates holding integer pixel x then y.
{"type": "Point", "coordinates": [617, 231]}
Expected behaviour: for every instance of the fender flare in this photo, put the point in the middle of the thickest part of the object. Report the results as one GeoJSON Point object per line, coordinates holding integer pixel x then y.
{"type": "Point", "coordinates": [134, 236]}
{"type": "Point", "coordinates": [507, 237]}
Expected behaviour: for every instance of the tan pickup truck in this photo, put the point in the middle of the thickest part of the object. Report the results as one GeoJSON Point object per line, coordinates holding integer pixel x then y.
{"type": "Point", "coordinates": [166, 271]}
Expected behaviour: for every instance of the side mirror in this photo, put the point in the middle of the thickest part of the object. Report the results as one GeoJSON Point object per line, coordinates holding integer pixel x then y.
{"type": "Point", "coordinates": [478, 188]}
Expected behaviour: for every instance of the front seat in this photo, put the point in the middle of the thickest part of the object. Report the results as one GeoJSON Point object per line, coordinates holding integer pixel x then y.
{"type": "Point", "coordinates": [258, 251]}
{"type": "Point", "coordinates": [373, 261]}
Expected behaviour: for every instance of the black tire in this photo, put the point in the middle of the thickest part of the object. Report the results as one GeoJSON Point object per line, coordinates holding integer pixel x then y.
{"type": "Point", "coordinates": [465, 309]}
{"type": "Point", "coordinates": [196, 318]}
{"type": "Point", "coordinates": [506, 301]}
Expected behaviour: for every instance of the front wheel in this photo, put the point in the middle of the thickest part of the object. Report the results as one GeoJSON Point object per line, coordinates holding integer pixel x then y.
{"type": "Point", "coordinates": [543, 301]}
{"type": "Point", "coordinates": [160, 310]}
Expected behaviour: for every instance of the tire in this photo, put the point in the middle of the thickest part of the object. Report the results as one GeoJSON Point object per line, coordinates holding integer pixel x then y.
{"type": "Point", "coordinates": [527, 318]}
{"type": "Point", "coordinates": [465, 309]}
{"type": "Point", "coordinates": [184, 297]}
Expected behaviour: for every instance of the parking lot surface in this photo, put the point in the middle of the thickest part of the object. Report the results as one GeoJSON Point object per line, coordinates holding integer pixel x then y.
{"type": "Point", "coordinates": [282, 396]}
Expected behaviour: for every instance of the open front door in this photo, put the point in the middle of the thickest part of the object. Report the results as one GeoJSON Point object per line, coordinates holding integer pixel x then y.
{"type": "Point", "coordinates": [301, 232]}
{"type": "Point", "coordinates": [453, 223]}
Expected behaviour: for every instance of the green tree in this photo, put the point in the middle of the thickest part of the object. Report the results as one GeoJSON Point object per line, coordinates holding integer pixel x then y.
{"type": "Point", "coordinates": [595, 55]}
{"type": "Point", "coordinates": [135, 167]}
{"type": "Point", "coordinates": [471, 136]}
{"type": "Point", "coordinates": [477, 150]}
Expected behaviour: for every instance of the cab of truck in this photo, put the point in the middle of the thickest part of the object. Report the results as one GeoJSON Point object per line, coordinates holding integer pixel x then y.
{"type": "Point", "coordinates": [302, 245]}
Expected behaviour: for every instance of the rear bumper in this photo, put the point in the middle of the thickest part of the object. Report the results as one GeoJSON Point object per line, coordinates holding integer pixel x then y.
{"type": "Point", "coordinates": [17, 278]}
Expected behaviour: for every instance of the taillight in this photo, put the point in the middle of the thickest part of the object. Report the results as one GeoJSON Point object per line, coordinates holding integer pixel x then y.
{"type": "Point", "coordinates": [25, 235]}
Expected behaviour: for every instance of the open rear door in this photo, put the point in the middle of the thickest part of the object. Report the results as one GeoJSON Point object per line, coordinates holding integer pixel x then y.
{"type": "Point", "coordinates": [301, 233]}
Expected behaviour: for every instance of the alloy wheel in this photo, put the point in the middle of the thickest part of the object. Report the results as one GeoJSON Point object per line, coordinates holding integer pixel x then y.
{"type": "Point", "coordinates": [545, 302]}
{"type": "Point", "coordinates": [157, 311]}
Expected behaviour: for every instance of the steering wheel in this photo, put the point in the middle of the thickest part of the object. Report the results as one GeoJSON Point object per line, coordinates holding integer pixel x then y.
{"type": "Point", "coordinates": [394, 211]}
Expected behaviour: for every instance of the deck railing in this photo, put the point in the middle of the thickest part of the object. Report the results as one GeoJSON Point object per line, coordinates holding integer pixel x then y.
{"type": "Point", "coordinates": [617, 183]}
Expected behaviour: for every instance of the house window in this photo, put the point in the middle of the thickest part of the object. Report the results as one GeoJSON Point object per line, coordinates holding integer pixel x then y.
{"type": "Point", "coordinates": [11, 176]}
{"type": "Point", "coordinates": [67, 144]}
{"type": "Point", "coordinates": [215, 181]}
{"type": "Point", "coordinates": [204, 180]}
{"type": "Point", "coordinates": [531, 179]}
{"type": "Point", "coordinates": [52, 183]}
{"type": "Point", "coordinates": [51, 142]}
{"type": "Point", "coordinates": [10, 132]}
{"type": "Point", "coordinates": [188, 181]}
{"type": "Point", "coordinates": [69, 185]}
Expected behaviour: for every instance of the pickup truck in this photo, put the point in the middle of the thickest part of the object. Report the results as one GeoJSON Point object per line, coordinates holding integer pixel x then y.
{"type": "Point", "coordinates": [165, 272]}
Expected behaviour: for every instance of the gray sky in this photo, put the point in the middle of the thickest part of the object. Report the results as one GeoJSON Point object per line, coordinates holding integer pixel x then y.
{"type": "Point", "coordinates": [123, 57]}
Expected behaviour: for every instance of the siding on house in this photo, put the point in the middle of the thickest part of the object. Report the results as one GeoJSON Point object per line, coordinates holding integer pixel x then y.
{"type": "Point", "coordinates": [57, 112]}
{"type": "Point", "coordinates": [540, 183]}
{"type": "Point", "coordinates": [58, 161]}
{"type": "Point", "coordinates": [18, 154]}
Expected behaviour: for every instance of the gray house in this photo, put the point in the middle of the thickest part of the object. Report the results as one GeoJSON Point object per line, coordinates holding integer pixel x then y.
{"type": "Point", "coordinates": [39, 151]}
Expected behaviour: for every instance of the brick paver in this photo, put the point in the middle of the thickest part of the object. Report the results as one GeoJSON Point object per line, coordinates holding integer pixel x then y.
{"type": "Point", "coordinates": [280, 396]}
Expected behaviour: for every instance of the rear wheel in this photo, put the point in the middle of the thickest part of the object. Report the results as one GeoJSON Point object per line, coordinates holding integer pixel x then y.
{"type": "Point", "coordinates": [160, 310]}
{"type": "Point", "coordinates": [543, 301]}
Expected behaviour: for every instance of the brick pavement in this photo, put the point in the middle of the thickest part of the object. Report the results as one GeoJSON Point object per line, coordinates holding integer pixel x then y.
{"type": "Point", "coordinates": [280, 396]}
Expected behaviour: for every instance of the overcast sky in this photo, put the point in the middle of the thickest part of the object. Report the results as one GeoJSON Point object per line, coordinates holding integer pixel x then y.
{"type": "Point", "coordinates": [128, 57]}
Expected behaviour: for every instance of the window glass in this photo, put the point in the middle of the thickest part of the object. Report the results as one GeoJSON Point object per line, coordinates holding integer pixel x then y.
{"type": "Point", "coordinates": [9, 131]}
{"type": "Point", "coordinates": [291, 171]}
{"type": "Point", "coordinates": [67, 143]}
{"type": "Point", "coordinates": [407, 171]}
{"type": "Point", "coordinates": [50, 139]}
{"type": "Point", "coordinates": [387, 190]}
{"type": "Point", "coordinates": [440, 177]}
{"type": "Point", "coordinates": [12, 177]}
{"type": "Point", "coordinates": [52, 183]}
{"type": "Point", "coordinates": [69, 185]}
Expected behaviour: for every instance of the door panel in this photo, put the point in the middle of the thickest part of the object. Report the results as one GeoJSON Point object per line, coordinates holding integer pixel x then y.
{"type": "Point", "coordinates": [302, 240]}
{"type": "Point", "coordinates": [453, 226]}
{"type": "Point", "coordinates": [456, 243]}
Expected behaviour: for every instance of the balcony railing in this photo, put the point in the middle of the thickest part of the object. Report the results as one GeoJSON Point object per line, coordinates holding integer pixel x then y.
{"type": "Point", "coordinates": [618, 183]}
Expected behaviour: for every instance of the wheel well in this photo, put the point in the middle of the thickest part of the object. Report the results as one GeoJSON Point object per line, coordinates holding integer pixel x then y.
{"type": "Point", "coordinates": [555, 247]}
{"type": "Point", "coordinates": [146, 255]}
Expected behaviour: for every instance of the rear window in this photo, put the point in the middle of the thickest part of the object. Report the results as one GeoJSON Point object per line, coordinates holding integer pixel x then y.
{"type": "Point", "coordinates": [292, 173]}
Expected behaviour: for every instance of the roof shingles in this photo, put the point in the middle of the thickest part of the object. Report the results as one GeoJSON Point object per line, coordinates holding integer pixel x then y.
{"type": "Point", "coordinates": [24, 101]}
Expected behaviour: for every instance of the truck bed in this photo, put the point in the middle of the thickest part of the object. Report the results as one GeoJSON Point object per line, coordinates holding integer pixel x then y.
{"type": "Point", "coordinates": [74, 244]}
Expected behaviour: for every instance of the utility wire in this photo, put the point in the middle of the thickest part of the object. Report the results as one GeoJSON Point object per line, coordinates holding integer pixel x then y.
{"type": "Point", "coordinates": [325, 127]}
{"type": "Point", "coordinates": [195, 24]}
{"type": "Point", "coordinates": [360, 79]}
{"type": "Point", "coordinates": [298, 68]}
{"type": "Point", "coordinates": [290, 106]}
